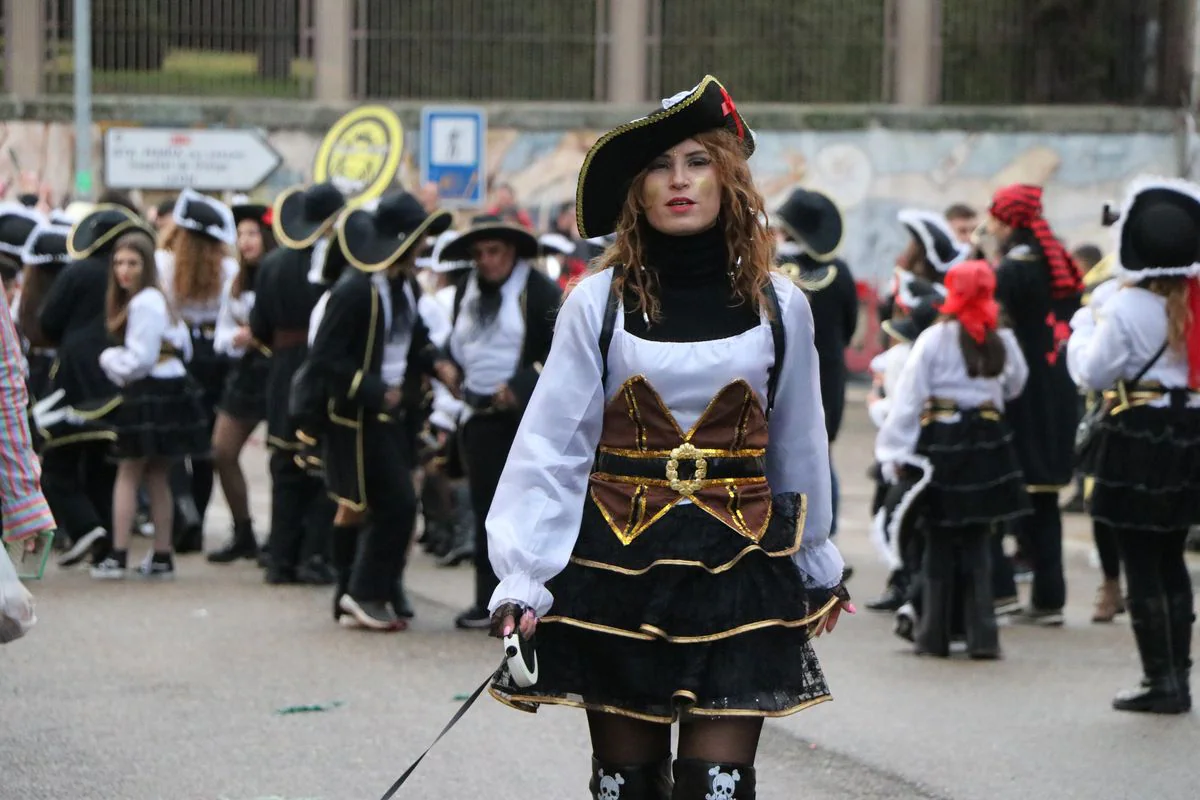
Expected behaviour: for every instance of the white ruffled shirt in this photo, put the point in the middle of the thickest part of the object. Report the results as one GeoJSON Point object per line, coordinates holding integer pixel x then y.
{"type": "Point", "coordinates": [234, 314]}
{"type": "Point", "coordinates": [535, 517]}
{"type": "Point", "coordinates": [148, 326]}
{"type": "Point", "coordinates": [936, 368]}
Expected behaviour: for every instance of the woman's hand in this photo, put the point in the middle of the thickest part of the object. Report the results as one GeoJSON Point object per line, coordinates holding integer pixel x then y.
{"type": "Point", "coordinates": [448, 374]}
{"type": "Point", "coordinates": [830, 622]}
{"type": "Point", "coordinates": [507, 617]}
{"type": "Point", "coordinates": [242, 337]}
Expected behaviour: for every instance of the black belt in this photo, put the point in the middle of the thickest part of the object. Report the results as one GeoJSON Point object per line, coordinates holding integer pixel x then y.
{"type": "Point", "coordinates": [479, 402]}
{"type": "Point", "coordinates": [655, 468]}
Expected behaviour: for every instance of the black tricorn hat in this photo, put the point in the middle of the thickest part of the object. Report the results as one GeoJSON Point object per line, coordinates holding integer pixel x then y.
{"type": "Point", "coordinates": [204, 215]}
{"type": "Point", "coordinates": [97, 232]}
{"type": "Point", "coordinates": [490, 226]}
{"type": "Point", "coordinates": [374, 240]}
{"type": "Point", "coordinates": [301, 216]}
{"type": "Point", "coordinates": [46, 246]}
{"type": "Point", "coordinates": [813, 220]}
{"type": "Point", "coordinates": [259, 212]}
{"type": "Point", "coordinates": [16, 224]}
{"type": "Point", "coordinates": [619, 155]}
{"type": "Point", "coordinates": [1158, 234]}
{"type": "Point", "coordinates": [920, 317]}
{"type": "Point", "coordinates": [942, 250]}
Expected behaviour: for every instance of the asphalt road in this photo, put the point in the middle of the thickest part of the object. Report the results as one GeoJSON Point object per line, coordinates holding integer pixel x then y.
{"type": "Point", "coordinates": [141, 691]}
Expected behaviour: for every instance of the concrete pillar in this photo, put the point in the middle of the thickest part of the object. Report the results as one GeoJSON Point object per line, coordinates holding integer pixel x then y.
{"type": "Point", "coordinates": [627, 60]}
{"type": "Point", "coordinates": [917, 47]}
{"type": "Point", "coordinates": [25, 47]}
{"type": "Point", "coordinates": [333, 22]}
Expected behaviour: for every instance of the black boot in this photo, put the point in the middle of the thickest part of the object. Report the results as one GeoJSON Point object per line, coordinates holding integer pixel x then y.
{"type": "Point", "coordinates": [701, 780]}
{"type": "Point", "coordinates": [400, 602]}
{"type": "Point", "coordinates": [1158, 692]}
{"type": "Point", "coordinates": [645, 782]}
{"type": "Point", "coordinates": [344, 547]}
{"type": "Point", "coordinates": [893, 596]}
{"type": "Point", "coordinates": [460, 548]}
{"type": "Point", "coordinates": [1182, 616]}
{"type": "Point", "coordinates": [244, 544]}
{"type": "Point", "coordinates": [979, 613]}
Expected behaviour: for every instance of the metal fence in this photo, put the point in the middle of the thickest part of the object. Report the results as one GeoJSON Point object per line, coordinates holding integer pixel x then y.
{"type": "Point", "coordinates": [190, 47]}
{"type": "Point", "coordinates": [1129, 52]}
{"type": "Point", "coordinates": [814, 51]}
{"type": "Point", "coordinates": [476, 49]}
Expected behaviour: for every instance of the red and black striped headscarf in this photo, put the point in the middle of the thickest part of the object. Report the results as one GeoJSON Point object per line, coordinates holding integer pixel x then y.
{"type": "Point", "coordinates": [1020, 206]}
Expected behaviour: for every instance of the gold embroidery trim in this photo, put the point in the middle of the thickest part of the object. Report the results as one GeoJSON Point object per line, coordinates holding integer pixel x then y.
{"type": "Point", "coordinates": [355, 383]}
{"type": "Point", "coordinates": [706, 452]}
{"type": "Point", "coordinates": [515, 700]}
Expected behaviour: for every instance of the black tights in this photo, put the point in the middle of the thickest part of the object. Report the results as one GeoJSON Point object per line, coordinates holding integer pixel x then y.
{"type": "Point", "coordinates": [621, 740]}
{"type": "Point", "coordinates": [1106, 546]}
{"type": "Point", "coordinates": [1154, 563]}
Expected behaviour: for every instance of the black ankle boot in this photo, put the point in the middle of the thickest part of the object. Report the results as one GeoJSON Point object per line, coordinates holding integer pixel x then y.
{"type": "Point", "coordinates": [618, 782]}
{"type": "Point", "coordinates": [1159, 691]}
{"type": "Point", "coordinates": [1182, 616]}
{"type": "Point", "coordinates": [710, 780]}
{"type": "Point", "coordinates": [244, 544]}
{"type": "Point", "coordinates": [343, 547]}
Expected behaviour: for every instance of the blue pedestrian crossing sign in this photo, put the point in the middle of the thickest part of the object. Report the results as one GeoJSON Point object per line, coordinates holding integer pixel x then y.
{"type": "Point", "coordinates": [453, 148]}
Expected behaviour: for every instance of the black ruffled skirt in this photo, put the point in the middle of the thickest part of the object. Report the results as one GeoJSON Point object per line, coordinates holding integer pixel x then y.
{"type": "Point", "coordinates": [977, 477]}
{"type": "Point", "coordinates": [161, 418]}
{"type": "Point", "coordinates": [245, 396]}
{"type": "Point", "coordinates": [1146, 465]}
{"type": "Point", "coordinates": [726, 633]}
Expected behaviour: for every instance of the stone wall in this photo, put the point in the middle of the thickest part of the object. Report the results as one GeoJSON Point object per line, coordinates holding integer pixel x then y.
{"type": "Point", "coordinates": [873, 161]}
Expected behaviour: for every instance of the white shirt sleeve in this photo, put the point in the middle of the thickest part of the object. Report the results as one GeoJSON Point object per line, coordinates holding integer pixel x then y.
{"type": "Point", "coordinates": [897, 439]}
{"type": "Point", "coordinates": [1016, 370]}
{"type": "Point", "coordinates": [435, 318]}
{"type": "Point", "coordinates": [798, 452]}
{"type": "Point", "coordinates": [535, 516]}
{"type": "Point", "coordinates": [144, 331]}
{"type": "Point", "coordinates": [226, 325]}
{"type": "Point", "coordinates": [1098, 351]}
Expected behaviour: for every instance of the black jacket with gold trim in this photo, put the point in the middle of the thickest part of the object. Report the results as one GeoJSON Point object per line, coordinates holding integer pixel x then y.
{"type": "Point", "coordinates": [540, 300]}
{"type": "Point", "coordinates": [345, 361]}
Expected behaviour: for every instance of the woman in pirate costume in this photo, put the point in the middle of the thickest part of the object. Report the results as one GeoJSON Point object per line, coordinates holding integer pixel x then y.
{"type": "Point", "coordinates": [160, 418]}
{"type": "Point", "coordinates": [1141, 347]}
{"type": "Point", "coordinates": [194, 268]}
{"type": "Point", "coordinates": [244, 403]}
{"type": "Point", "coordinates": [1038, 285]}
{"type": "Point", "coordinates": [369, 355]}
{"type": "Point", "coordinates": [286, 291]}
{"type": "Point", "coordinates": [77, 475]}
{"type": "Point", "coordinates": [663, 517]}
{"type": "Point", "coordinates": [946, 421]}
{"type": "Point", "coordinates": [44, 256]}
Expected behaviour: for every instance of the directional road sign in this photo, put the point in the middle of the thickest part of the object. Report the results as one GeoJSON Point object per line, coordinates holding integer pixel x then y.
{"type": "Point", "coordinates": [178, 158]}
{"type": "Point", "coordinates": [453, 147]}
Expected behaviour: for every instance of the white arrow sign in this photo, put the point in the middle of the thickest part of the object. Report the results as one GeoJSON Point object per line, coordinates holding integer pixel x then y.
{"type": "Point", "coordinates": [179, 158]}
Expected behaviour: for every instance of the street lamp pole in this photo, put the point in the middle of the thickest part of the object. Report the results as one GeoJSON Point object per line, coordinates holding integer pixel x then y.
{"type": "Point", "coordinates": [82, 36]}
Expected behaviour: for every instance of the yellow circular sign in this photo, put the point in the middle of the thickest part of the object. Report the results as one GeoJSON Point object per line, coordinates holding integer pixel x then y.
{"type": "Point", "coordinates": [361, 153]}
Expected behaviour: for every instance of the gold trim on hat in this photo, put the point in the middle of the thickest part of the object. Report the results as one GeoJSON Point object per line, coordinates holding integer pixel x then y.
{"type": "Point", "coordinates": [277, 222]}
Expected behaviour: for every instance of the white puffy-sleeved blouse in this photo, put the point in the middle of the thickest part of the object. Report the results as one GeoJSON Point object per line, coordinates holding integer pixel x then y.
{"type": "Point", "coordinates": [1115, 338]}
{"type": "Point", "coordinates": [149, 326]}
{"type": "Point", "coordinates": [535, 517]}
{"type": "Point", "coordinates": [192, 312]}
{"type": "Point", "coordinates": [936, 368]}
{"type": "Point", "coordinates": [891, 363]}
{"type": "Point", "coordinates": [233, 314]}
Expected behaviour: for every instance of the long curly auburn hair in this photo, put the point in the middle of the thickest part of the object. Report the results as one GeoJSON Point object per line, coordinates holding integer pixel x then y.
{"type": "Point", "coordinates": [198, 274]}
{"type": "Point", "coordinates": [1179, 316]}
{"type": "Point", "coordinates": [743, 213]}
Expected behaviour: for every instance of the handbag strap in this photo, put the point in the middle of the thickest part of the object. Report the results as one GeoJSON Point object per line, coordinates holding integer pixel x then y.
{"type": "Point", "coordinates": [1153, 360]}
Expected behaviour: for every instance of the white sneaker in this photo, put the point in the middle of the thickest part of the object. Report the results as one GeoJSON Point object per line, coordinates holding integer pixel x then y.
{"type": "Point", "coordinates": [109, 570]}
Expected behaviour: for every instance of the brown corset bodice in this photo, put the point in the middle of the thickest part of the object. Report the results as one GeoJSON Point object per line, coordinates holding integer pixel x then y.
{"type": "Point", "coordinates": [646, 464]}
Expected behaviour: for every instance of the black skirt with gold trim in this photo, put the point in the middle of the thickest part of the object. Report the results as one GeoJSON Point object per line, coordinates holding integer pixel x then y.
{"type": "Point", "coordinates": [245, 395]}
{"type": "Point", "coordinates": [691, 618]}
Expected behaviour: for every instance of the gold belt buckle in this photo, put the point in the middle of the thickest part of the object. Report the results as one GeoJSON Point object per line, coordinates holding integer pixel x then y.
{"type": "Point", "coordinates": [686, 452]}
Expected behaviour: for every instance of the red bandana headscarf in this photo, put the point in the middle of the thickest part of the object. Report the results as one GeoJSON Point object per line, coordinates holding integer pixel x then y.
{"type": "Point", "coordinates": [1020, 206]}
{"type": "Point", "coordinates": [971, 298]}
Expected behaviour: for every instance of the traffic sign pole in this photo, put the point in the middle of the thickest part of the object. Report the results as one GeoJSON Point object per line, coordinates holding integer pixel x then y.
{"type": "Point", "coordinates": [84, 186]}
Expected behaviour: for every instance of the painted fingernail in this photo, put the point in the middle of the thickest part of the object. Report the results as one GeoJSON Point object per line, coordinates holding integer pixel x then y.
{"type": "Point", "coordinates": [508, 629]}
{"type": "Point", "coordinates": [852, 609]}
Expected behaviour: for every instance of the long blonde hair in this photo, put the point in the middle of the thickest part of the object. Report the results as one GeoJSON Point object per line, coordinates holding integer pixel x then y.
{"type": "Point", "coordinates": [1179, 316]}
{"type": "Point", "coordinates": [746, 236]}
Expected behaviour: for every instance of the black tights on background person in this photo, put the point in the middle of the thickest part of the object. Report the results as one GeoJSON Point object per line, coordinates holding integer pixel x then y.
{"type": "Point", "coordinates": [1109, 602]}
{"type": "Point", "coordinates": [1160, 602]}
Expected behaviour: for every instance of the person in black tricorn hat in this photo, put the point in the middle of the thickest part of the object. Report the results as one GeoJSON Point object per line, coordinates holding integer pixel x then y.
{"type": "Point", "coordinates": [670, 547]}
{"type": "Point", "coordinates": [367, 360]}
{"type": "Point", "coordinates": [194, 265]}
{"type": "Point", "coordinates": [1141, 347]}
{"type": "Point", "coordinates": [503, 320]}
{"type": "Point", "coordinates": [301, 513]}
{"type": "Point", "coordinates": [43, 257]}
{"type": "Point", "coordinates": [812, 228]}
{"type": "Point", "coordinates": [77, 474]}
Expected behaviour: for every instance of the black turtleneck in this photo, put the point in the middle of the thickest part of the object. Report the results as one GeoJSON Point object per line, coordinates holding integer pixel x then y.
{"type": "Point", "coordinates": [694, 290]}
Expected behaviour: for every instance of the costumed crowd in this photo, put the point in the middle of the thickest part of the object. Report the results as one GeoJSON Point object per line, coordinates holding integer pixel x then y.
{"type": "Point", "coordinates": [624, 424]}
